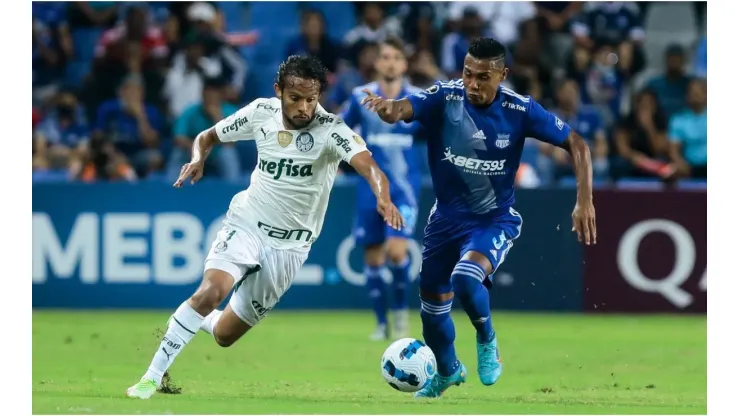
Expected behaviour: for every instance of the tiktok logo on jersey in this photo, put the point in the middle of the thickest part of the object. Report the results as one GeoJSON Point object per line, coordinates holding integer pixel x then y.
{"type": "Point", "coordinates": [476, 166]}
{"type": "Point", "coordinates": [285, 166]}
{"type": "Point", "coordinates": [513, 106]}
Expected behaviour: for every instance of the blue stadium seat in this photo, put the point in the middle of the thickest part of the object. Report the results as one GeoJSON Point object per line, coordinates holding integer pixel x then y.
{"type": "Point", "coordinates": [50, 176]}
{"type": "Point", "coordinates": [272, 17]}
{"type": "Point", "coordinates": [640, 184]}
{"type": "Point", "coordinates": [692, 184]}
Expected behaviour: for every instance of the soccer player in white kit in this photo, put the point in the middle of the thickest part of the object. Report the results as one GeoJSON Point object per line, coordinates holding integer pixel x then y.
{"type": "Point", "coordinates": [269, 227]}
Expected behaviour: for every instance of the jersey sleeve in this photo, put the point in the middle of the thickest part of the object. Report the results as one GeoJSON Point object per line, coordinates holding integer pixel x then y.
{"type": "Point", "coordinates": [544, 126]}
{"type": "Point", "coordinates": [427, 104]}
{"type": "Point", "coordinates": [343, 143]}
{"type": "Point", "coordinates": [238, 126]}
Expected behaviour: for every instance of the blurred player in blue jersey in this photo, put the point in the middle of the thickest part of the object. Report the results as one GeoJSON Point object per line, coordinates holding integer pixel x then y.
{"type": "Point", "coordinates": [391, 145]}
{"type": "Point", "coordinates": [475, 131]}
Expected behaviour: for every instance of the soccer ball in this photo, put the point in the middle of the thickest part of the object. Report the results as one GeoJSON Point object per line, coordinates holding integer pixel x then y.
{"type": "Point", "coordinates": [408, 365]}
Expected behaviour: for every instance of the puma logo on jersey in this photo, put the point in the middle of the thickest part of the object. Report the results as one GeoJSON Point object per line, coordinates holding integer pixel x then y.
{"type": "Point", "coordinates": [235, 126]}
{"type": "Point", "coordinates": [285, 167]}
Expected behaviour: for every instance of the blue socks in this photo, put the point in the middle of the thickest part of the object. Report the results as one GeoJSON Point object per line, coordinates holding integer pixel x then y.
{"type": "Point", "coordinates": [467, 282]}
{"type": "Point", "coordinates": [400, 274]}
{"type": "Point", "coordinates": [439, 334]}
{"type": "Point", "coordinates": [376, 291]}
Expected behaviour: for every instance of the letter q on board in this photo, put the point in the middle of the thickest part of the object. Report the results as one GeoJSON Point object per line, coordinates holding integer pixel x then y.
{"type": "Point", "coordinates": [670, 286]}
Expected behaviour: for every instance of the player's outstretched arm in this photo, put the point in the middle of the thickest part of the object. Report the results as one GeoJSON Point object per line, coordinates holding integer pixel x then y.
{"type": "Point", "coordinates": [584, 214]}
{"type": "Point", "coordinates": [238, 126]}
{"type": "Point", "coordinates": [202, 146]}
{"type": "Point", "coordinates": [390, 111]}
{"type": "Point", "coordinates": [366, 166]}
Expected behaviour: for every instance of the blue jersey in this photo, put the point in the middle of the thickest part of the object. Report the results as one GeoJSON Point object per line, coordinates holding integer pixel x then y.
{"type": "Point", "coordinates": [390, 144]}
{"type": "Point", "coordinates": [474, 152]}
{"type": "Point", "coordinates": [587, 122]}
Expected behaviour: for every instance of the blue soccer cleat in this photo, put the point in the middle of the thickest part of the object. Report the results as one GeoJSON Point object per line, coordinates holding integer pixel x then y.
{"type": "Point", "coordinates": [489, 362]}
{"type": "Point", "coordinates": [439, 384]}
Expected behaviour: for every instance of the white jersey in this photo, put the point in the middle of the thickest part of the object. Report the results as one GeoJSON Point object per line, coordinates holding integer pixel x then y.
{"type": "Point", "coordinates": [287, 198]}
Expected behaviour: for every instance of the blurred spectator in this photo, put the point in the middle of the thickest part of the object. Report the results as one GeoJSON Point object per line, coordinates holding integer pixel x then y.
{"type": "Point", "coordinates": [133, 125]}
{"type": "Point", "coordinates": [314, 41]}
{"type": "Point", "coordinates": [671, 87]}
{"type": "Point", "coordinates": [700, 59]}
{"type": "Point", "coordinates": [503, 17]}
{"type": "Point", "coordinates": [613, 23]}
{"type": "Point", "coordinates": [530, 75]}
{"type": "Point", "coordinates": [603, 83]}
{"type": "Point", "coordinates": [184, 82]}
{"type": "Point", "coordinates": [455, 44]}
{"type": "Point", "coordinates": [224, 160]}
{"type": "Point", "coordinates": [553, 162]}
{"type": "Point", "coordinates": [86, 14]}
{"type": "Point", "coordinates": [103, 162]}
{"type": "Point", "coordinates": [233, 68]}
{"type": "Point", "coordinates": [64, 130]}
{"type": "Point", "coordinates": [373, 28]}
{"type": "Point", "coordinates": [136, 29]}
{"type": "Point", "coordinates": [555, 19]}
{"type": "Point", "coordinates": [558, 15]}
{"type": "Point", "coordinates": [640, 141]}
{"type": "Point", "coordinates": [423, 71]}
{"type": "Point", "coordinates": [687, 132]}
{"type": "Point", "coordinates": [362, 73]}
{"type": "Point", "coordinates": [418, 27]}
{"type": "Point", "coordinates": [51, 49]}
{"type": "Point", "coordinates": [134, 47]}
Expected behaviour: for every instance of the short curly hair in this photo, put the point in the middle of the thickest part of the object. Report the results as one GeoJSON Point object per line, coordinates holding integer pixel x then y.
{"type": "Point", "coordinates": [304, 67]}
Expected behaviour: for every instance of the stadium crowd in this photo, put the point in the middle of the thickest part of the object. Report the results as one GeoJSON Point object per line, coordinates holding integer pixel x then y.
{"type": "Point", "coordinates": [121, 89]}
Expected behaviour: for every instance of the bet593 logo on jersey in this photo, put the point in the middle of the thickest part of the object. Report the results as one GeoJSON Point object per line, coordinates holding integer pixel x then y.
{"type": "Point", "coordinates": [476, 166]}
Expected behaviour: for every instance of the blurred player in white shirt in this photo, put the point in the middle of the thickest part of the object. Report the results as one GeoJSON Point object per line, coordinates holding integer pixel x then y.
{"type": "Point", "coordinates": [269, 227]}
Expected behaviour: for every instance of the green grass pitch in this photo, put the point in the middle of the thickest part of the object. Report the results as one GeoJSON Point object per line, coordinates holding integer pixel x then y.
{"type": "Point", "coordinates": [311, 362]}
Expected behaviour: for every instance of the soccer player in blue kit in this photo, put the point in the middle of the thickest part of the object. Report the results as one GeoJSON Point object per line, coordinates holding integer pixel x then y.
{"type": "Point", "coordinates": [475, 131]}
{"type": "Point", "coordinates": [391, 146]}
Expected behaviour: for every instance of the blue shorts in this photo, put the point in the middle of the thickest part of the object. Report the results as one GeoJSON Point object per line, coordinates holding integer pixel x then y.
{"type": "Point", "coordinates": [370, 229]}
{"type": "Point", "coordinates": [446, 240]}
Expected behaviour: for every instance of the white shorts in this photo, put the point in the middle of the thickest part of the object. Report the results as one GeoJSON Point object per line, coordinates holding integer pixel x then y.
{"type": "Point", "coordinates": [262, 274]}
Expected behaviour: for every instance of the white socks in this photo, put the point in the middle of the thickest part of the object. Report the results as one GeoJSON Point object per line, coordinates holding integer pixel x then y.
{"type": "Point", "coordinates": [182, 327]}
{"type": "Point", "coordinates": [210, 322]}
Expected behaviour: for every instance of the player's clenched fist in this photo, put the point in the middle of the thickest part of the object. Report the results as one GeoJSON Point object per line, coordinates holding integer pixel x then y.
{"type": "Point", "coordinates": [385, 108]}
{"type": "Point", "coordinates": [391, 215]}
{"type": "Point", "coordinates": [192, 170]}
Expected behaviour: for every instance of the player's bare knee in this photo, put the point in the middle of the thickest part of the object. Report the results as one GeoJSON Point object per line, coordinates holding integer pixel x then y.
{"type": "Point", "coordinates": [397, 253]}
{"type": "Point", "coordinates": [224, 341]}
{"type": "Point", "coordinates": [375, 255]}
